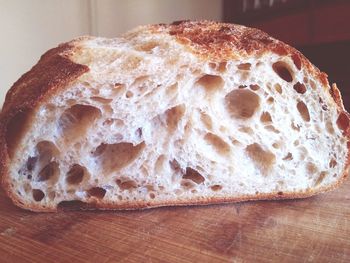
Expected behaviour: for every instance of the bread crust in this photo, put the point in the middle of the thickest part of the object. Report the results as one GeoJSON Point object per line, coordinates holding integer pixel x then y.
{"type": "Point", "coordinates": [52, 73]}
{"type": "Point", "coordinates": [210, 41]}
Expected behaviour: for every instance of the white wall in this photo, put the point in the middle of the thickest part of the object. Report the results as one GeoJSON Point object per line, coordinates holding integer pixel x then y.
{"type": "Point", "coordinates": [115, 17]}
{"type": "Point", "coordinates": [30, 27]}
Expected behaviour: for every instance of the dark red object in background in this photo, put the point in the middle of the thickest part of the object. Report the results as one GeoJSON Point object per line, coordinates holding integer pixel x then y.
{"type": "Point", "coordinates": [320, 29]}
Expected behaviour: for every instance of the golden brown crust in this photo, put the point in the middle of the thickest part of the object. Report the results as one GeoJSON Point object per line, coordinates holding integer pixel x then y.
{"type": "Point", "coordinates": [210, 41]}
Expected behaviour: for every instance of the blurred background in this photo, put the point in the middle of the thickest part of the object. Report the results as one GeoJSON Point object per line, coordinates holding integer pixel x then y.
{"type": "Point", "coordinates": [318, 28]}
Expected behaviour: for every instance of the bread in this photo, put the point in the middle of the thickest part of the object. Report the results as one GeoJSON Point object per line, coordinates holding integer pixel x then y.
{"type": "Point", "coordinates": [181, 114]}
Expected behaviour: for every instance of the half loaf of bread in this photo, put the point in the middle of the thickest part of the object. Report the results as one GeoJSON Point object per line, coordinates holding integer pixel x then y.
{"type": "Point", "coordinates": [180, 114]}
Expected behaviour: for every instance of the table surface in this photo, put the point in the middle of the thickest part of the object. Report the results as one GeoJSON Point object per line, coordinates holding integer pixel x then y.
{"type": "Point", "coordinates": [315, 229]}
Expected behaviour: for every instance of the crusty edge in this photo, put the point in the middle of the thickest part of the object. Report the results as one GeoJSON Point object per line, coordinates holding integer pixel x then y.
{"type": "Point", "coordinates": [97, 204]}
{"type": "Point", "coordinates": [55, 71]}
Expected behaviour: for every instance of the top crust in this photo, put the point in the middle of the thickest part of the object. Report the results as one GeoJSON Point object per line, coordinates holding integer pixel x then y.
{"type": "Point", "coordinates": [210, 41]}
{"type": "Point", "coordinates": [222, 41]}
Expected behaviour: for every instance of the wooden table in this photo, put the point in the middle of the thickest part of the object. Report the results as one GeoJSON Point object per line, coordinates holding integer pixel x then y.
{"type": "Point", "coordinates": [316, 229]}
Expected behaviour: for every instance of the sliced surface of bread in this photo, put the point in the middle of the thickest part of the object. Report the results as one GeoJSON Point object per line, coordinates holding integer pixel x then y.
{"type": "Point", "coordinates": [187, 113]}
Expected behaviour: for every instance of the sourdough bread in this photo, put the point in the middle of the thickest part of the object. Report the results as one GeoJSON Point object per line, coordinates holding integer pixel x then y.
{"type": "Point", "coordinates": [186, 113]}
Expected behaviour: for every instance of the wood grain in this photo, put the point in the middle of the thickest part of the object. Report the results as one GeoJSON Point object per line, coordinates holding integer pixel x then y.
{"type": "Point", "coordinates": [315, 229]}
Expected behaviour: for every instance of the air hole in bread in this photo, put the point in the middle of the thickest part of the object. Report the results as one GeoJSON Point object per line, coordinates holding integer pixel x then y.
{"type": "Point", "coordinates": [38, 195]}
{"type": "Point", "coordinates": [222, 67]}
{"type": "Point", "coordinates": [150, 188]}
{"type": "Point", "coordinates": [116, 90]}
{"type": "Point", "coordinates": [31, 162]}
{"type": "Point", "coordinates": [49, 107]}
{"type": "Point", "coordinates": [50, 172]}
{"type": "Point", "coordinates": [173, 116]}
{"type": "Point", "coordinates": [118, 85]}
{"type": "Point", "coordinates": [126, 184]}
{"type": "Point", "coordinates": [212, 65]}
{"type": "Point", "coordinates": [113, 157]}
{"type": "Point", "coordinates": [216, 187]}
{"type": "Point", "coordinates": [72, 205]}
{"type": "Point", "coordinates": [246, 129]}
{"type": "Point", "coordinates": [320, 178]}
{"type": "Point", "coordinates": [332, 163]}
{"type": "Point", "coordinates": [280, 193]}
{"type": "Point", "coordinates": [159, 165]}
{"type": "Point", "coordinates": [296, 60]}
{"type": "Point", "coordinates": [278, 88]}
{"type": "Point", "coordinates": [242, 103]}
{"type": "Point", "coordinates": [244, 66]}
{"type": "Point", "coordinates": [206, 120]}
{"type": "Point", "coordinates": [254, 87]}
{"type": "Point", "coordinates": [147, 46]}
{"type": "Point", "coordinates": [271, 128]}
{"type": "Point", "coordinates": [299, 87]}
{"type": "Point", "coordinates": [187, 184]}
{"type": "Point", "coordinates": [129, 94]}
{"type": "Point", "coordinates": [210, 82]}
{"type": "Point", "coordinates": [329, 127]}
{"type": "Point", "coordinates": [283, 71]}
{"type": "Point", "coordinates": [219, 144]}
{"type": "Point", "coordinates": [313, 84]}
{"type": "Point", "coordinates": [234, 141]}
{"type": "Point", "coordinates": [152, 195]}
{"type": "Point", "coordinates": [112, 121]}
{"type": "Point", "coordinates": [46, 151]}
{"type": "Point", "coordinates": [97, 192]}
{"type": "Point", "coordinates": [172, 90]}
{"type": "Point", "coordinates": [295, 127]}
{"type": "Point", "coordinates": [303, 110]}
{"type": "Point", "coordinates": [323, 105]}
{"type": "Point", "coordinates": [288, 157]}
{"type": "Point", "coordinates": [311, 168]}
{"type": "Point", "coordinates": [75, 121]}
{"type": "Point", "coordinates": [265, 117]}
{"type": "Point", "coordinates": [343, 121]}
{"type": "Point", "coordinates": [101, 100]}
{"type": "Point", "coordinates": [270, 100]}
{"type": "Point", "coordinates": [14, 130]}
{"type": "Point", "coordinates": [276, 145]}
{"type": "Point", "coordinates": [264, 159]}
{"type": "Point", "coordinates": [138, 133]}
{"type": "Point", "coordinates": [193, 175]}
{"type": "Point", "coordinates": [75, 174]}
{"type": "Point", "coordinates": [174, 164]}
